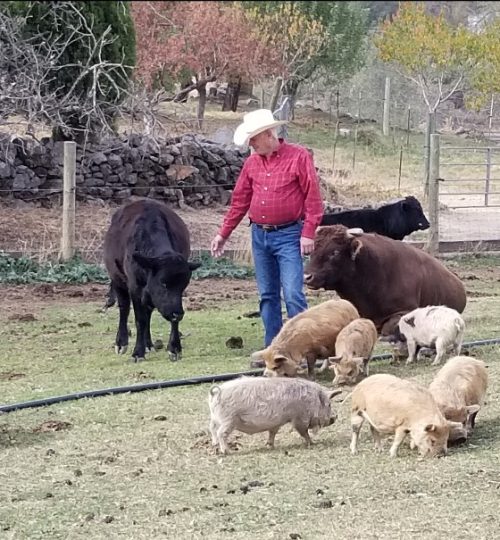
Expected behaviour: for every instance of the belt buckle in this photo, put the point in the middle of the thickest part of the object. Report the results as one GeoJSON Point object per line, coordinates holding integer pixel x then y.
{"type": "Point", "coordinates": [268, 228]}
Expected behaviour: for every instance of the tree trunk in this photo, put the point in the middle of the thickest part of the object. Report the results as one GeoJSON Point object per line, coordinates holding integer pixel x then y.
{"type": "Point", "coordinates": [232, 93]}
{"type": "Point", "coordinates": [202, 91]}
{"type": "Point", "coordinates": [290, 89]}
{"type": "Point", "coordinates": [276, 93]}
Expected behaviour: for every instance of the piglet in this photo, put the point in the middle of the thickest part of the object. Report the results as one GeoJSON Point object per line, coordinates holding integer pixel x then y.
{"type": "Point", "coordinates": [397, 406]}
{"type": "Point", "coordinates": [256, 404]}
{"type": "Point", "coordinates": [459, 388]}
{"type": "Point", "coordinates": [433, 326]}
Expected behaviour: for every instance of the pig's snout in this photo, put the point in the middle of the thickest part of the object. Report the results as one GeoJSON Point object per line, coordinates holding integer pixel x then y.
{"type": "Point", "coordinates": [332, 420]}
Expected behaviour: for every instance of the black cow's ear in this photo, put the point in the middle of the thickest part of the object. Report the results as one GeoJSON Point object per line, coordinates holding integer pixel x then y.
{"type": "Point", "coordinates": [193, 265]}
{"type": "Point", "coordinates": [145, 261]}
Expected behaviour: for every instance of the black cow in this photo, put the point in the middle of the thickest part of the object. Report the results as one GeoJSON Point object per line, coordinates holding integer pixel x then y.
{"type": "Point", "coordinates": [146, 250]}
{"type": "Point", "coordinates": [395, 220]}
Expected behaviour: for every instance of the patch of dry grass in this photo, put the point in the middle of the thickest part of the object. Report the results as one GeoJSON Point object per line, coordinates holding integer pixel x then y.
{"type": "Point", "coordinates": [139, 465]}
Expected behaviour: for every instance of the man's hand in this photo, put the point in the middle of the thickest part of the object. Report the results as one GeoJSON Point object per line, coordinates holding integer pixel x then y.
{"type": "Point", "coordinates": [306, 245]}
{"type": "Point", "coordinates": [217, 245]}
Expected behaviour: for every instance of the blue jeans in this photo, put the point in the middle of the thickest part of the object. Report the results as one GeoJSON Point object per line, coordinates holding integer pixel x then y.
{"type": "Point", "coordinates": [278, 264]}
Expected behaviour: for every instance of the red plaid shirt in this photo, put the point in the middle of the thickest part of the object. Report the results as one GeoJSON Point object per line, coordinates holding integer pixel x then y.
{"type": "Point", "coordinates": [277, 189]}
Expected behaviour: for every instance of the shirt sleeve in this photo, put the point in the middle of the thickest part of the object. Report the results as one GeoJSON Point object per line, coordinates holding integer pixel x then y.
{"type": "Point", "coordinates": [313, 203]}
{"type": "Point", "coordinates": [240, 203]}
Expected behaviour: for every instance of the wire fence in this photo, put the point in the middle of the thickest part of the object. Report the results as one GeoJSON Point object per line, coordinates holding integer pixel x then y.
{"type": "Point", "coordinates": [469, 196]}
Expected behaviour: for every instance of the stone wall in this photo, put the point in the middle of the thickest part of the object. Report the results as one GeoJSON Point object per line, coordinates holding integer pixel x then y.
{"type": "Point", "coordinates": [184, 170]}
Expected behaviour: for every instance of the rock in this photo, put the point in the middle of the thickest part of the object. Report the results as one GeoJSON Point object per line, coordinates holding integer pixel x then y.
{"type": "Point", "coordinates": [98, 158]}
{"type": "Point", "coordinates": [180, 172]}
{"type": "Point", "coordinates": [114, 161]}
{"type": "Point", "coordinates": [5, 170]}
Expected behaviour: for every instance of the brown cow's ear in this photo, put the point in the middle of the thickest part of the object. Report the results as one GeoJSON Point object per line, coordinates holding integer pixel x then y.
{"type": "Point", "coordinates": [356, 246]}
{"type": "Point", "coordinates": [280, 360]}
{"type": "Point", "coordinates": [430, 427]}
{"type": "Point", "coordinates": [334, 359]}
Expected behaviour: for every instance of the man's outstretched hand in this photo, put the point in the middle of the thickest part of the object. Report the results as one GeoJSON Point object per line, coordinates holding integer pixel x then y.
{"type": "Point", "coordinates": [217, 246]}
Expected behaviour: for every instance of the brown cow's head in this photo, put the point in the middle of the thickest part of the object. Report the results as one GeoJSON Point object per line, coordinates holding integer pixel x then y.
{"type": "Point", "coordinates": [335, 251]}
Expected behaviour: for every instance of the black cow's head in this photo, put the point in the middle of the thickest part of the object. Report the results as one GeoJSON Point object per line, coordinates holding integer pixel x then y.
{"type": "Point", "coordinates": [414, 215]}
{"type": "Point", "coordinates": [335, 250]}
{"type": "Point", "coordinates": [167, 278]}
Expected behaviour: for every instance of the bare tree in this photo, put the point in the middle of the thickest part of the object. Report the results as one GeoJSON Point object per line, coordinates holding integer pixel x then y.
{"type": "Point", "coordinates": [29, 67]}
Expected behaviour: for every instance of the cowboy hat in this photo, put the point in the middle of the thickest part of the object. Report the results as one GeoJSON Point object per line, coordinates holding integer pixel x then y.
{"type": "Point", "coordinates": [255, 122]}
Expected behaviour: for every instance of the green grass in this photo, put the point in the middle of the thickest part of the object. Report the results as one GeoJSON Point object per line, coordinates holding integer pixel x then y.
{"type": "Point", "coordinates": [138, 465]}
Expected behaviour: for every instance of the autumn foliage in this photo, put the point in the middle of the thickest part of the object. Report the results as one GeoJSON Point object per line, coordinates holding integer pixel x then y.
{"type": "Point", "coordinates": [440, 57]}
{"type": "Point", "coordinates": [207, 39]}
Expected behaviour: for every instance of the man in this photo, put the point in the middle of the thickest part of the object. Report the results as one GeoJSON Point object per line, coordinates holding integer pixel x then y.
{"type": "Point", "coordinates": [279, 188]}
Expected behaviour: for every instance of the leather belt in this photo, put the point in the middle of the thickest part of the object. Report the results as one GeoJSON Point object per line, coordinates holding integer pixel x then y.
{"type": "Point", "coordinates": [274, 227]}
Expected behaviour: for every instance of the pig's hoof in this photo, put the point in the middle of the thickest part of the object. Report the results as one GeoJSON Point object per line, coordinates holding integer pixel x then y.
{"type": "Point", "coordinates": [354, 450]}
{"type": "Point", "coordinates": [120, 349]}
{"type": "Point", "coordinates": [137, 359]}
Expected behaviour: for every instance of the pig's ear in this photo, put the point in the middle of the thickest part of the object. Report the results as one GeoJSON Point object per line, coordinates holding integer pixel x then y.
{"type": "Point", "coordinates": [278, 360]}
{"type": "Point", "coordinates": [361, 362]}
{"type": "Point", "coordinates": [334, 393]}
{"type": "Point", "coordinates": [430, 427]}
{"type": "Point", "coordinates": [472, 409]}
{"type": "Point", "coordinates": [258, 355]}
{"type": "Point", "coordinates": [334, 359]}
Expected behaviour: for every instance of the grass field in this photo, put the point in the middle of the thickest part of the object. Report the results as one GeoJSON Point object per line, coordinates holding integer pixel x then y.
{"type": "Point", "coordinates": [139, 465]}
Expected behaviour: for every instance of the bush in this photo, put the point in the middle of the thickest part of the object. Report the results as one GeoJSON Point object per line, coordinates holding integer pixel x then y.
{"type": "Point", "coordinates": [23, 270]}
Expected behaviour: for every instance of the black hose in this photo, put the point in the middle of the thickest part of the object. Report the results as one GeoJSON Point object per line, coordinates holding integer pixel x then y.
{"type": "Point", "coordinates": [177, 382]}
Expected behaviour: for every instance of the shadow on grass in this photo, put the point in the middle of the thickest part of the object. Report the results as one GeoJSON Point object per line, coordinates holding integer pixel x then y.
{"type": "Point", "coordinates": [486, 430]}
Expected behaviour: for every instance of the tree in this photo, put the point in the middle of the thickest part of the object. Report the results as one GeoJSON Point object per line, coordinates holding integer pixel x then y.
{"type": "Point", "coordinates": [315, 38]}
{"type": "Point", "coordinates": [82, 54]}
{"type": "Point", "coordinates": [207, 39]}
{"type": "Point", "coordinates": [429, 51]}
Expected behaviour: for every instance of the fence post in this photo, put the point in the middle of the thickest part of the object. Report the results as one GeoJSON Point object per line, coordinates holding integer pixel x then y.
{"type": "Point", "coordinates": [434, 194]}
{"type": "Point", "coordinates": [430, 129]}
{"type": "Point", "coordinates": [387, 99]}
{"type": "Point", "coordinates": [68, 218]}
{"type": "Point", "coordinates": [488, 176]}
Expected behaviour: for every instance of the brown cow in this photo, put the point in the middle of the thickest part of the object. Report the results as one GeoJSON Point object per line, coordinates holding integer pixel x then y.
{"type": "Point", "coordinates": [383, 278]}
{"type": "Point", "coordinates": [146, 250]}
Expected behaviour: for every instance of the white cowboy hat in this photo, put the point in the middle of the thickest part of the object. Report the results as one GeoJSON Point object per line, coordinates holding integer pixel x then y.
{"type": "Point", "coordinates": [255, 122]}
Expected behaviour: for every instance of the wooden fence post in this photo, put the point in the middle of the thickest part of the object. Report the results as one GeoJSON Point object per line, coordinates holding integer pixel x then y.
{"type": "Point", "coordinates": [430, 129]}
{"type": "Point", "coordinates": [68, 218]}
{"type": "Point", "coordinates": [387, 100]}
{"type": "Point", "coordinates": [434, 194]}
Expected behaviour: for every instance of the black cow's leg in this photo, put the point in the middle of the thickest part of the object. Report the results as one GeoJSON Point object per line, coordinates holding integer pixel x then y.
{"type": "Point", "coordinates": [121, 342]}
{"type": "Point", "coordinates": [174, 342]}
{"type": "Point", "coordinates": [149, 341]}
{"type": "Point", "coordinates": [141, 321]}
